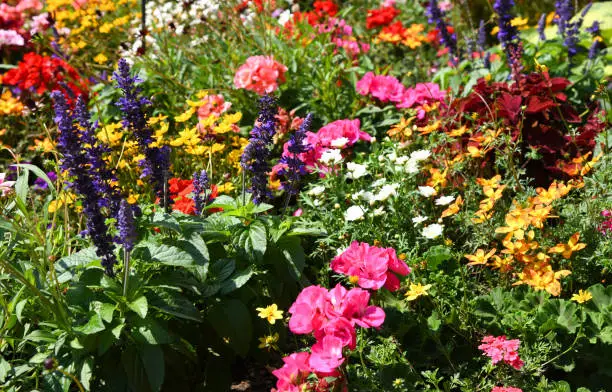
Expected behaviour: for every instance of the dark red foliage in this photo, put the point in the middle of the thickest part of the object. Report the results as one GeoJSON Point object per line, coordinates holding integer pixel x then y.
{"type": "Point", "coordinates": [40, 74]}
{"type": "Point", "coordinates": [535, 111]}
{"type": "Point", "coordinates": [381, 17]}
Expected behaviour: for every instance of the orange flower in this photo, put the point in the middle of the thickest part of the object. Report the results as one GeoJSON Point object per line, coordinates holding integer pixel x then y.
{"type": "Point", "coordinates": [566, 250]}
{"type": "Point", "coordinates": [480, 258]}
{"type": "Point", "coordinates": [541, 276]}
{"type": "Point", "coordinates": [453, 208]}
{"type": "Point", "coordinates": [401, 130]}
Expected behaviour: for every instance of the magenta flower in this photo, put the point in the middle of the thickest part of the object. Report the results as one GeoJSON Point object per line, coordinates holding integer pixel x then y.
{"type": "Point", "coordinates": [307, 312]}
{"type": "Point", "coordinates": [326, 354]}
{"type": "Point", "coordinates": [340, 328]}
{"type": "Point", "coordinates": [498, 348]}
{"type": "Point", "coordinates": [370, 266]}
{"type": "Point", "coordinates": [294, 372]}
{"type": "Point", "coordinates": [349, 129]}
{"type": "Point", "coordinates": [506, 389]}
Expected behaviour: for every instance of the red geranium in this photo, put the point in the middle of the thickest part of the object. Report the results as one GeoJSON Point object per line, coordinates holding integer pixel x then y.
{"type": "Point", "coordinates": [381, 17]}
{"type": "Point", "coordinates": [328, 8]}
{"type": "Point", "coordinates": [41, 74]}
{"type": "Point", "coordinates": [180, 191]}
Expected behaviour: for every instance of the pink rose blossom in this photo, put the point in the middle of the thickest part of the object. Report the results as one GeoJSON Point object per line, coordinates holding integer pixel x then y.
{"type": "Point", "coordinates": [498, 348]}
{"type": "Point", "coordinates": [293, 373]}
{"type": "Point", "coordinates": [349, 129]}
{"type": "Point", "coordinates": [340, 328]}
{"type": "Point", "coordinates": [307, 312]}
{"type": "Point", "coordinates": [373, 267]}
{"type": "Point", "coordinates": [326, 354]}
{"type": "Point", "coordinates": [384, 88]}
{"type": "Point", "coordinates": [260, 74]}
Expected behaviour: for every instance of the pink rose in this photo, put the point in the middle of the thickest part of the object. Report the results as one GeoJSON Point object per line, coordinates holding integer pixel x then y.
{"type": "Point", "coordinates": [326, 354]}
{"type": "Point", "coordinates": [260, 74]}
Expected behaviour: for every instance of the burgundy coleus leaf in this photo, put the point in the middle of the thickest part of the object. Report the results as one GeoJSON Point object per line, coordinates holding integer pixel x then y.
{"type": "Point", "coordinates": [509, 107]}
{"type": "Point", "coordinates": [537, 104]}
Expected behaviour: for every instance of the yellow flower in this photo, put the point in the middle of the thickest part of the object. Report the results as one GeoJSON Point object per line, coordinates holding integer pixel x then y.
{"type": "Point", "coordinates": [133, 199]}
{"type": "Point", "coordinates": [582, 296]}
{"type": "Point", "coordinates": [270, 313]}
{"type": "Point", "coordinates": [401, 130]}
{"type": "Point", "coordinates": [225, 188]}
{"type": "Point", "coordinates": [269, 342]}
{"type": "Point", "coordinates": [416, 290]}
{"type": "Point", "coordinates": [453, 208]}
{"type": "Point", "coordinates": [100, 58]}
{"type": "Point", "coordinates": [106, 28]}
{"type": "Point", "coordinates": [519, 22]}
{"type": "Point", "coordinates": [480, 257]}
{"type": "Point", "coordinates": [186, 115]}
{"type": "Point", "coordinates": [9, 105]}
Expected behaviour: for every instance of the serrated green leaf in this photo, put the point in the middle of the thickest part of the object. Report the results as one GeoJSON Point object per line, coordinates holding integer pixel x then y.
{"type": "Point", "coordinates": [93, 326]}
{"type": "Point", "coordinates": [140, 306]}
{"type": "Point", "coordinates": [236, 281]}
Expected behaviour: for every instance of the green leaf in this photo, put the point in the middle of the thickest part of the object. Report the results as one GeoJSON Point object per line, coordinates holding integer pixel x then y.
{"type": "Point", "coordinates": [39, 173]}
{"type": "Point", "coordinates": [222, 269]}
{"type": "Point", "coordinates": [232, 322]}
{"type": "Point", "coordinates": [151, 332]}
{"type": "Point", "coordinates": [22, 187]}
{"type": "Point", "coordinates": [436, 255]}
{"type": "Point", "coordinates": [140, 306]}
{"type": "Point", "coordinates": [41, 336]}
{"type": "Point", "coordinates": [163, 253]}
{"type": "Point", "coordinates": [434, 322]}
{"type": "Point", "coordinates": [294, 254]}
{"type": "Point", "coordinates": [606, 335]}
{"type": "Point", "coordinates": [163, 219]}
{"type": "Point", "coordinates": [253, 240]}
{"type": "Point", "coordinates": [5, 368]}
{"type": "Point", "coordinates": [175, 304]}
{"type": "Point", "coordinates": [94, 325]}
{"type": "Point", "coordinates": [237, 280]}
{"type": "Point", "coordinates": [87, 372]}
{"type": "Point", "coordinates": [66, 266]}
{"type": "Point", "coordinates": [153, 360]}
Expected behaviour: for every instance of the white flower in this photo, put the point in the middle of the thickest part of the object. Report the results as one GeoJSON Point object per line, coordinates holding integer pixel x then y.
{"type": "Point", "coordinates": [356, 170]}
{"type": "Point", "coordinates": [432, 231]}
{"type": "Point", "coordinates": [411, 167]}
{"type": "Point", "coordinates": [427, 191]}
{"type": "Point", "coordinates": [379, 211]}
{"type": "Point", "coordinates": [419, 219]}
{"type": "Point", "coordinates": [392, 156]}
{"type": "Point", "coordinates": [330, 157]}
{"type": "Point", "coordinates": [340, 142]}
{"type": "Point", "coordinates": [401, 160]}
{"type": "Point", "coordinates": [317, 190]}
{"type": "Point", "coordinates": [379, 182]}
{"type": "Point", "coordinates": [386, 192]}
{"type": "Point", "coordinates": [354, 213]}
{"type": "Point", "coordinates": [285, 17]}
{"type": "Point", "coordinates": [444, 200]}
{"type": "Point", "coordinates": [420, 155]}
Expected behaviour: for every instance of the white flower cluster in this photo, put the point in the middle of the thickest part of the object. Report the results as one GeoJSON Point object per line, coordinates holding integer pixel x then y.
{"type": "Point", "coordinates": [407, 164]}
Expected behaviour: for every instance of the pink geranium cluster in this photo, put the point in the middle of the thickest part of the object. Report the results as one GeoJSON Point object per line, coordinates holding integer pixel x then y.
{"type": "Point", "coordinates": [339, 134]}
{"type": "Point", "coordinates": [389, 89]}
{"type": "Point", "coordinates": [605, 227]}
{"type": "Point", "coordinates": [506, 389]}
{"type": "Point", "coordinates": [260, 74]}
{"type": "Point", "coordinates": [331, 316]}
{"type": "Point", "coordinates": [342, 36]}
{"type": "Point", "coordinates": [213, 105]}
{"type": "Point", "coordinates": [12, 21]}
{"type": "Point", "coordinates": [498, 348]}
{"type": "Point", "coordinates": [372, 267]}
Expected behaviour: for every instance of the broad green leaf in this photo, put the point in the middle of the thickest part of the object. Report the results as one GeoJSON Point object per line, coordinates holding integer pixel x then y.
{"type": "Point", "coordinates": [232, 322]}
{"type": "Point", "coordinates": [94, 325]}
{"type": "Point", "coordinates": [140, 306]}
{"type": "Point", "coordinates": [222, 269]}
{"type": "Point", "coordinates": [153, 360]}
{"type": "Point", "coordinates": [436, 255]}
{"type": "Point", "coordinates": [39, 173]}
{"type": "Point", "coordinates": [163, 219]}
{"type": "Point", "coordinates": [434, 322]}
{"type": "Point", "coordinates": [163, 253]}
{"type": "Point", "coordinates": [66, 266]}
{"type": "Point", "coordinates": [293, 252]}
{"type": "Point", "coordinates": [151, 332]}
{"type": "Point", "coordinates": [236, 281]}
{"type": "Point", "coordinates": [87, 372]}
{"type": "Point", "coordinates": [174, 303]}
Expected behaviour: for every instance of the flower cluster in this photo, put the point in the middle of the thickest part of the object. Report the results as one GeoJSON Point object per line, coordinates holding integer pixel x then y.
{"type": "Point", "coordinates": [371, 267]}
{"type": "Point", "coordinates": [498, 348]}
{"type": "Point", "coordinates": [341, 34]}
{"type": "Point", "coordinates": [257, 153]}
{"type": "Point", "coordinates": [39, 74]}
{"type": "Point", "coordinates": [260, 74]}
{"type": "Point", "coordinates": [381, 17]}
{"type": "Point", "coordinates": [331, 316]}
{"type": "Point", "coordinates": [396, 33]}
{"type": "Point", "coordinates": [605, 227]}
{"type": "Point", "coordinates": [389, 89]}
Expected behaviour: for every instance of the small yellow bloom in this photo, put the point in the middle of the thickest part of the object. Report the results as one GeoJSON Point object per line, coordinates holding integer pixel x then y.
{"type": "Point", "coordinates": [225, 188]}
{"type": "Point", "coordinates": [480, 257]}
{"type": "Point", "coordinates": [186, 115]}
{"type": "Point", "coordinates": [582, 296]}
{"type": "Point", "coordinates": [417, 290]}
{"type": "Point", "coordinates": [100, 58]}
{"type": "Point", "coordinates": [269, 342]}
{"type": "Point", "coordinates": [566, 250]}
{"type": "Point", "coordinates": [270, 313]}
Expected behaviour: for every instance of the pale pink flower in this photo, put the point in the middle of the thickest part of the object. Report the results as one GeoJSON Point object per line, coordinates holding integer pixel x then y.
{"type": "Point", "coordinates": [25, 5]}
{"type": "Point", "coordinates": [373, 267]}
{"type": "Point", "coordinates": [11, 38]}
{"type": "Point", "coordinates": [39, 23]}
{"type": "Point", "coordinates": [260, 74]}
{"type": "Point", "coordinates": [5, 186]}
{"type": "Point", "coordinates": [326, 354]}
{"type": "Point", "coordinates": [498, 348]}
{"type": "Point", "coordinates": [213, 104]}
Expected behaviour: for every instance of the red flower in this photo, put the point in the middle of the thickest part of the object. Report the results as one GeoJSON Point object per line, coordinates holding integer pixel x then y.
{"type": "Point", "coordinates": [380, 17]}
{"type": "Point", "coordinates": [41, 74]}
{"type": "Point", "coordinates": [180, 193]}
{"type": "Point", "coordinates": [328, 8]}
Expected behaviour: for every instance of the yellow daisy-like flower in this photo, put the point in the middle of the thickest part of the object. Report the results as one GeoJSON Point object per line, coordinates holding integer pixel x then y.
{"type": "Point", "coordinates": [269, 342]}
{"type": "Point", "coordinates": [582, 296]}
{"type": "Point", "coordinates": [270, 313]}
{"type": "Point", "coordinates": [417, 290]}
{"type": "Point", "coordinates": [100, 58]}
{"type": "Point", "coordinates": [186, 115]}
